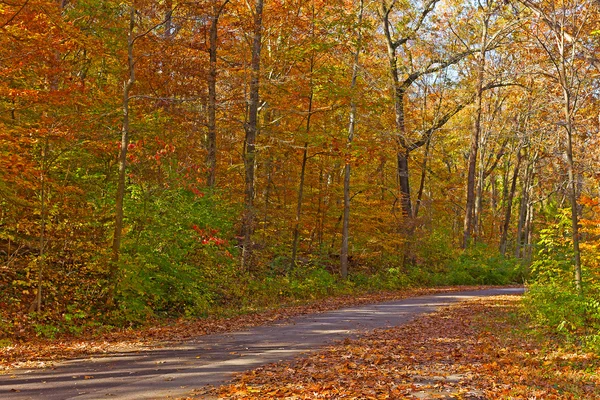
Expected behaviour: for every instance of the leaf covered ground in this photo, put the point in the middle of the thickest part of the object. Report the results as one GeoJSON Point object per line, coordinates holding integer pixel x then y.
{"type": "Point", "coordinates": [37, 352]}
{"type": "Point", "coordinates": [480, 349]}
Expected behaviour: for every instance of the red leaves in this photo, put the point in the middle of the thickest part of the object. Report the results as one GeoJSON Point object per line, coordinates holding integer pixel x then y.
{"type": "Point", "coordinates": [196, 192]}
{"type": "Point", "coordinates": [209, 236]}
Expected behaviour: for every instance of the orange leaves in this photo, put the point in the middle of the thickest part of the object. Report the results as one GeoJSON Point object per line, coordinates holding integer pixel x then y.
{"type": "Point", "coordinates": [209, 236]}
{"type": "Point", "coordinates": [34, 349]}
{"type": "Point", "coordinates": [467, 351]}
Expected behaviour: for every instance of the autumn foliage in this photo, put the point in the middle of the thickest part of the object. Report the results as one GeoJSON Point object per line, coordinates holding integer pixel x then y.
{"type": "Point", "coordinates": [127, 179]}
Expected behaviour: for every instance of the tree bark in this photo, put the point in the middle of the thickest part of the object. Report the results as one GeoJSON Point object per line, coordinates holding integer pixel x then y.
{"type": "Point", "coordinates": [118, 232]}
{"type": "Point", "coordinates": [422, 180]}
{"type": "Point", "coordinates": [522, 212]}
{"type": "Point", "coordinates": [211, 156]}
{"type": "Point", "coordinates": [251, 129]}
{"type": "Point", "coordinates": [573, 193]}
{"type": "Point", "coordinates": [347, 167]}
{"type": "Point", "coordinates": [296, 234]}
{"type": "Point", "coordinates": [508, 204]}
{"type": "Point", "coordinates": [474, 147]}
{"type": "Point", "coordinates": [43, 213]}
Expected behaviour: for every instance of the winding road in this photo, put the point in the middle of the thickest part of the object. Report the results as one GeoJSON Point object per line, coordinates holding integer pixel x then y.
{"type": "Point", "coordinates": [212, 359]}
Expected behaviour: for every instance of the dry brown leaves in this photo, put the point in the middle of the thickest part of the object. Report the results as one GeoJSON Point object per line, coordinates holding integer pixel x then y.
{"type": "Point", "coordinates": [36, 352]}
{"type": "Point", "coordinates": [467, 351]}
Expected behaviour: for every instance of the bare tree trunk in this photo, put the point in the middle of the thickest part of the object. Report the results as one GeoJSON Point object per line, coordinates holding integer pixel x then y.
{"type": "Point", "coordinates": [475, 137]}
{"type": "Point", "coordinates": [521, 218]}
{"type": "Point", "coordinates": [299, 202]}
{"type": "Point", "coordinates": [404, 182]}
{"type": "Point", "coordinates": [528, 232]}
{"type": "Point", "coordinates": [422, 180]}
{"type": "Point", "coordinates": [509, 196]}
{"type": "Point", "coordinates": [347, 167]}
{"type": "Point", "coordinates": [573, 193]}
{"type": "Point", "coordinates": [524, 207]}
{"type": "Point", "coordinates": [269, 168]}
{"type": "Point", "coordinates": [296, 235]}
{"type": "Point", "coordinates": [42, 256]}
{"type": "Point", "coordinates": [251, 129]}
{"type": "Point", "coordinates": [118, 232]}
{"type": "Point", "coordinates": [494, 202]}
{"type": "Point", "coordinates": [211, 156]}
{"type": "Point", "coordinates": [479, 195]}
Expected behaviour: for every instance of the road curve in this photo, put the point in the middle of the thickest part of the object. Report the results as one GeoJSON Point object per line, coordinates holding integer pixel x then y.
{"type": "Point", "coordinates": [212, 359]}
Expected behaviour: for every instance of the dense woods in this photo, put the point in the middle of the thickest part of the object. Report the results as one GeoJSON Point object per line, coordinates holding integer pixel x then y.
{"type": "Point", "coordinates": [175, 158]}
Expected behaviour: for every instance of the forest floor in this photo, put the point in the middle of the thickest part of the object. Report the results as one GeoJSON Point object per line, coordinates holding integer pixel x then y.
{"type": "Point", "coordinates": [482, 348]}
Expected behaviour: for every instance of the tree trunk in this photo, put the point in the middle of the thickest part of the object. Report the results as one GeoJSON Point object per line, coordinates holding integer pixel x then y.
{"type": "Point", "coordinates": [524, 208]}
{"type": "Point", "coordinates": [299, 202]}
{"type": "Point", "coordinates": [508, 203]}
{"type": "Point", "coordinates": [479, 192]}
{"type": "Point", "coordinates": [404, 182]}
{"type": "Point", "coordinates": [573, 193]}
{"type": "Point", "coordinates": [269, 168]}
{"type": "Point", "coordinates": [42, 256]}
{"type": "Point", "coordinates": [474, 147]}
{"type": "Point", "coordinates": [251, 129]}
{"type": "Point", "coordinates": [422, 180]}
{"type": "Point", "coordinates": [296, 235]}
{"type": "Point", "coordinates": [211, 145]}
{"type": "Point", "coordinates": [347, 166]}
{"type": "Point", "coordinates": [118, 232]}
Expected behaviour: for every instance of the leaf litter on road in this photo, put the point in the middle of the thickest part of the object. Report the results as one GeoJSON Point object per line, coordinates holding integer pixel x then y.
{"type": "Point", "coordinates": [33, 352]}
{"type": "Point", "coordinates": [472, 350]}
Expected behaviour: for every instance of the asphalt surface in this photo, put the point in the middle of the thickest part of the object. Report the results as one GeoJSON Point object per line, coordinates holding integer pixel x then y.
{"type": "Point", "coordinates": [212, 359]}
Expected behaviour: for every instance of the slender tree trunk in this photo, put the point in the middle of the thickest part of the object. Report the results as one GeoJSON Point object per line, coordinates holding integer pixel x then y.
{"type": "Point", "coordinates": [381, 171]}
{"type": "Point", "coordinates": [528, 232]}
{"type": "Point", "coordinates": [296, 235]}
{"type": "Point", "coordinates": [566, 86]}
{"type": "Point", "coordinates": [508, 203]}
{"type": "Point", "coordinates": [251, 129]}
{"type": "Point", "coordinates": [474, 147]}
{"type": "Point", "coordinates": [322, 207]}
{"type": "Point", "coordinates": [423, 176]}
{"type": "Point", "coordinates": [479, 193]}
{"type": "Point", "coordinates": [573, 193]}
{"type": "Point", "coordinates": [211, 156]}
{"type": "Point", "coordinates": [269, 168]}
{"type": "Point", "coordinates": [118, 232]}
{"type": "Point", "coordinates": [524, 207]}
{"type": "Point", "coordinates": [404, 182]}
{"type": "Point", "coordinates": [494, 202]}
{"type": "Point", "coordinates": [299, 203]}
{"type": "Point", "coordinates": [347, 166]}
{"type": "Point", "coordinates": [42, 256]}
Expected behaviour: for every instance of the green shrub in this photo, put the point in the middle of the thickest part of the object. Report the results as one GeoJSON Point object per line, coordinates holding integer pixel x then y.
{"type": "Point", "coordinates": [176, 259]}
{"type": "Point", "coordinates": [475, 266]}
{"type": "Point", "coordinates": [552, 300]}
{"type": "Point", "coordinates": [555, 305]}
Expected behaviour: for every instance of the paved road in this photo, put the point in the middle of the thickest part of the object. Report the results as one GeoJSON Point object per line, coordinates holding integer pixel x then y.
{"type": "Point", "coordinates": [211, 359]}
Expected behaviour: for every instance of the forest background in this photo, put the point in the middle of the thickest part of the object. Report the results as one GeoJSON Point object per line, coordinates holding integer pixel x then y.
{"type": "Point", "coordinates": [183, 159]}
